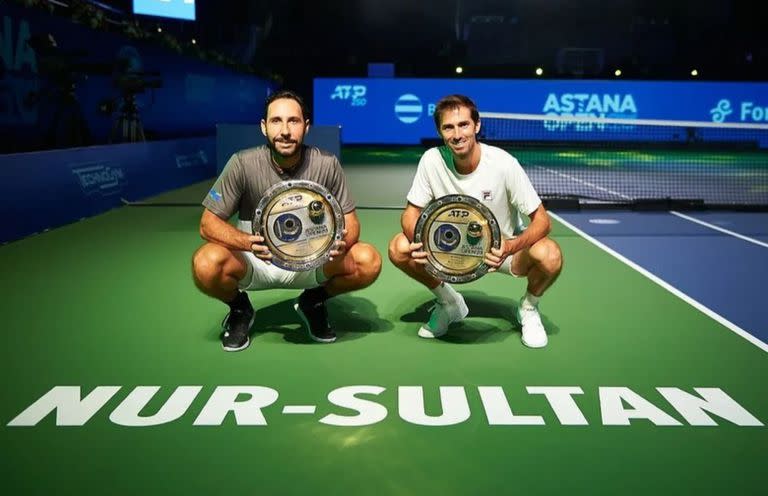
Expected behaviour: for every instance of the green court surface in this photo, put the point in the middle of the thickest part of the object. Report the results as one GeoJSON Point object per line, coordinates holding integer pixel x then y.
{"type": "Point", "coordinates": [109, 301]}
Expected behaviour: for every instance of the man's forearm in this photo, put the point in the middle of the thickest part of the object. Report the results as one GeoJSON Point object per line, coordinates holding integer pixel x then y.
{"type": "Point", "coordinates": [408, 222]}
{"type": "Point", "coordinates": [225, 234]}
{"type": "Point", "coordinates": [352, 226]}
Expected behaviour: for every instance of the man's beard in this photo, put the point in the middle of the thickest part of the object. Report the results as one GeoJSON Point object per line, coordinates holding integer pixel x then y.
{"type": "Point", "coordinates": [273, 146]}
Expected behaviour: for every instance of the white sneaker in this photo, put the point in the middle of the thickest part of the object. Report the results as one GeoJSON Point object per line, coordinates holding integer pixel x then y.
{"type": "Point", "coordinates": [443, 315]}
{"type": "Point", "coordinates": [534, 335]}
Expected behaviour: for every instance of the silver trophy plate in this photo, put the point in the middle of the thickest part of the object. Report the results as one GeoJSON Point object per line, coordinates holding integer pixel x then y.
{"type": "Point", "coordinates": [300, 222]}
{"type": "Point", "coordinates": [457, 232]}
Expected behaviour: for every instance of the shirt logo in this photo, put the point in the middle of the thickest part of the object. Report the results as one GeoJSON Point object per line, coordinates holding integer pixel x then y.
{"type": "Point", "coordinates": [215, 195]}
{"type": "Point", "coordinates": [487, 195]}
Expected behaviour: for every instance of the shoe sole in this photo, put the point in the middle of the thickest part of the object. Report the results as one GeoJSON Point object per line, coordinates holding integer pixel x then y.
{"type": "Point", "coordinates": [427, 334]}
{"type": "Point", "coordinates": [247, 343]}
{"type": "Point", "coordinates": [306, 323]}
{"type": "Point", "coordinates": [230, 349]}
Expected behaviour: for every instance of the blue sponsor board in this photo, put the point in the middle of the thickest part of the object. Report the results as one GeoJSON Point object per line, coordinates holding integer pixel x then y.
{"type": "Point", "coordinates": [43, 190]}
{"type": "Point", "coordinates": [400, 111]}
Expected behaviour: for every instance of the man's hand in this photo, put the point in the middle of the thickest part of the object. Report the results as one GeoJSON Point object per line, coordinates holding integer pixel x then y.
{"type": "Point", "coordinates": [496, 256]}
{"type": "Point", "coordinates": [259, 248]}
{"type": "Point", "coordinates": [339, 246]}
{"type": "Point", "coordinates": [417, 253]}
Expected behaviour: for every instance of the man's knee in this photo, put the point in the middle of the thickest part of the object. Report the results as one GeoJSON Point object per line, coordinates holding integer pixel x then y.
{"type": "Point", "coordinates": [399, 252]}
{"type": "Point", "coordinates": [546, 253]}
{"type": "Point", "coordinates": [208, 262]}
{"type": "Point", "coordinates": [367, 261]}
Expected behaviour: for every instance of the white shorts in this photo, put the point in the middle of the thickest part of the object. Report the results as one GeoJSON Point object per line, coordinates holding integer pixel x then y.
{"type": "Point", "coordinates": [506, 267]}
{"type": "Point", "coordinates": [261, 275]}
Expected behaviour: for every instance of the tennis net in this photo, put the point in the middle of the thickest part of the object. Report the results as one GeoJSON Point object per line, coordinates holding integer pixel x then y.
{"type": "Point", "coordinates": [623, 161]}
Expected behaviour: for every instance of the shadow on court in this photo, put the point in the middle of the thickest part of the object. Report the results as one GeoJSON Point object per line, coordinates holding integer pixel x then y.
{"type": "Point", "coordinates": [352, 317]}
{"type": "Point", "coordinates": [472, 331]}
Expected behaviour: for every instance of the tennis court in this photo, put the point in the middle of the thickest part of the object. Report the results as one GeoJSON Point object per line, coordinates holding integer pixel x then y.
{"type": "Point", "coordinates": [639, 390]}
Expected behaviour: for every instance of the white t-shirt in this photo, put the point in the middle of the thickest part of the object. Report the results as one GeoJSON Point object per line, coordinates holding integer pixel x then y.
{"type": "Point", "coordinates": [499, 182]}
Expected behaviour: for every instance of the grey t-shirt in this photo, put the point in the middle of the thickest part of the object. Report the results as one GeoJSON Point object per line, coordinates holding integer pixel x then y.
{"type": "Point", "coordinates": [250, 173]}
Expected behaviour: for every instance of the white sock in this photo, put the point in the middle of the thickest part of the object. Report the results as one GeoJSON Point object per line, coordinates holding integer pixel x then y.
{"type": "Point", "coordinates": [529, 301]}
{"type": "Point", "coordinates": [445, 293]}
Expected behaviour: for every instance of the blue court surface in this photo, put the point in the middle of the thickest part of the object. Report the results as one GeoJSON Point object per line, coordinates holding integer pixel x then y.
{"type": "Point", "coordinates": [717, 259]}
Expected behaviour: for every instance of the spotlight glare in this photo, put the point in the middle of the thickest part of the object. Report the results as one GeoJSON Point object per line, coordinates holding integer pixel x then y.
{"type": "Point", "coordinates": [459, 69]}
{"type": "Point", "coordinates": [159, 30]}
{"type": "Point", "coordinates": [617, 72]}
{"type": "Point", "coordinates": [194, 41]}
{"type": "Point", "coordinates": [539, 71]}
{"type": "Point", "coordinates": [694, 73]}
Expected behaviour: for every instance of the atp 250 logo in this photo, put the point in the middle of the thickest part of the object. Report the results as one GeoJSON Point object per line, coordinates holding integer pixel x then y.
{"type": "Point", "coordinates": [353, 93]}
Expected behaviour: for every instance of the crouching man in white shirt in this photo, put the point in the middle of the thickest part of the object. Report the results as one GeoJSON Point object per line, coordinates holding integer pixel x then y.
{"type": "Point", "coordinates": [494, 177]}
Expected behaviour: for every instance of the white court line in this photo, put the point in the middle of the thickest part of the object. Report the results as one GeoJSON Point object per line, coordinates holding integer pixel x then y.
{"type": "Point", "coordinates": [717, 228]}
{"type": "Point", "coordinates": [695, 304]}
{"type": "Point", "coordinates": [299, 409]}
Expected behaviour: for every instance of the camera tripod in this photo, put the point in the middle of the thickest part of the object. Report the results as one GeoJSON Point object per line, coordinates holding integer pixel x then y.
{"type": "Point", "coordinates": [127, 128]}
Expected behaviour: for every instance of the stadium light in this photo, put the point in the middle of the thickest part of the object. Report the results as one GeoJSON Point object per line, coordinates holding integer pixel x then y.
{"type": "Point", "coordinates": [194, 41]}
{"type": "Point", "coordinates": [539, 71]}
{"type": "Point", "coordinates": [617, 72]}
{"type": "Point", "coordinates": [459, 69]}
{"type": "Point", "coordinates": [159, 29]}
{"type": "Point", "coordinates": [694, 73]}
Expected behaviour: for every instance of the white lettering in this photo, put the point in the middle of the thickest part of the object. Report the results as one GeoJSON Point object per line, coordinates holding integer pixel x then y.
{"type": "Point", "coordinates": [614, 413]}
{"type": "Point", "coordinates": [341, 92]}
{"type": "Point", "coordinates": [611, 103]}
{"type": "Point", "coordinates": [714, 401]}
{"type": "Point", "coordinates": [127, 412]}
{"type": "Point", "coordinates": [562, 403]}
{"type": "Point", "coordinates": [628, 105]}
{"type": "Point", "coordinates": [567, 104]}
{"type": "Point", "coordinates": [551, 104]}
{"type": "Point", "coordinates": [247, 412]}
{"type": "Point", "coordinates": [452, 398]}
{"type": "Point", "coordinates": [746, 110]}
{"type": "Point", "coordinates": [589, 105]}
{"type": "Point", "coordinates": [594, 104]}
{"type": "Point", "coordinates": [498, 411]}
{"type": "Point", "coordinates": [369, 412]}
{"type": "Point", "coordinates": [70, 409]}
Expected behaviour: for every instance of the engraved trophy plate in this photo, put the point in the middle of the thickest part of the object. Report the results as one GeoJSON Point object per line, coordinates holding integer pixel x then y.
{"type": "Point", "coordinates": [457, 232]}
{"type": "Point", "coordinates": [300, 222]}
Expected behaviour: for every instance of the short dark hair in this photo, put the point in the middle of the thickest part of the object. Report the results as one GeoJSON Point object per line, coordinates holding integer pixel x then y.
{"type": "Point", "coordinates": [291, 95]}
{"type": "Point", "coordinates": [452, 102]}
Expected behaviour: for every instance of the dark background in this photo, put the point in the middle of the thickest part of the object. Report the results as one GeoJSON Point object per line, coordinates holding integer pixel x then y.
{"type": "Point", "coordinates": [654, 39]}
{"type": "Point", "coordinates": [647, 39]}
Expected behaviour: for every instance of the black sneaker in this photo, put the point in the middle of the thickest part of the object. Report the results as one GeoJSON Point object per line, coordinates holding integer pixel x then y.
{"type": "Point", "coordinates": [315, 316]}
{"type": "Point", "coordinates": [235, 328]}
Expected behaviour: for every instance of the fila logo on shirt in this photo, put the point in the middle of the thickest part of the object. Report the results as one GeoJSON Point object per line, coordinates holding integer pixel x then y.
{"type": "Point", "coordinates": [487, 195]}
